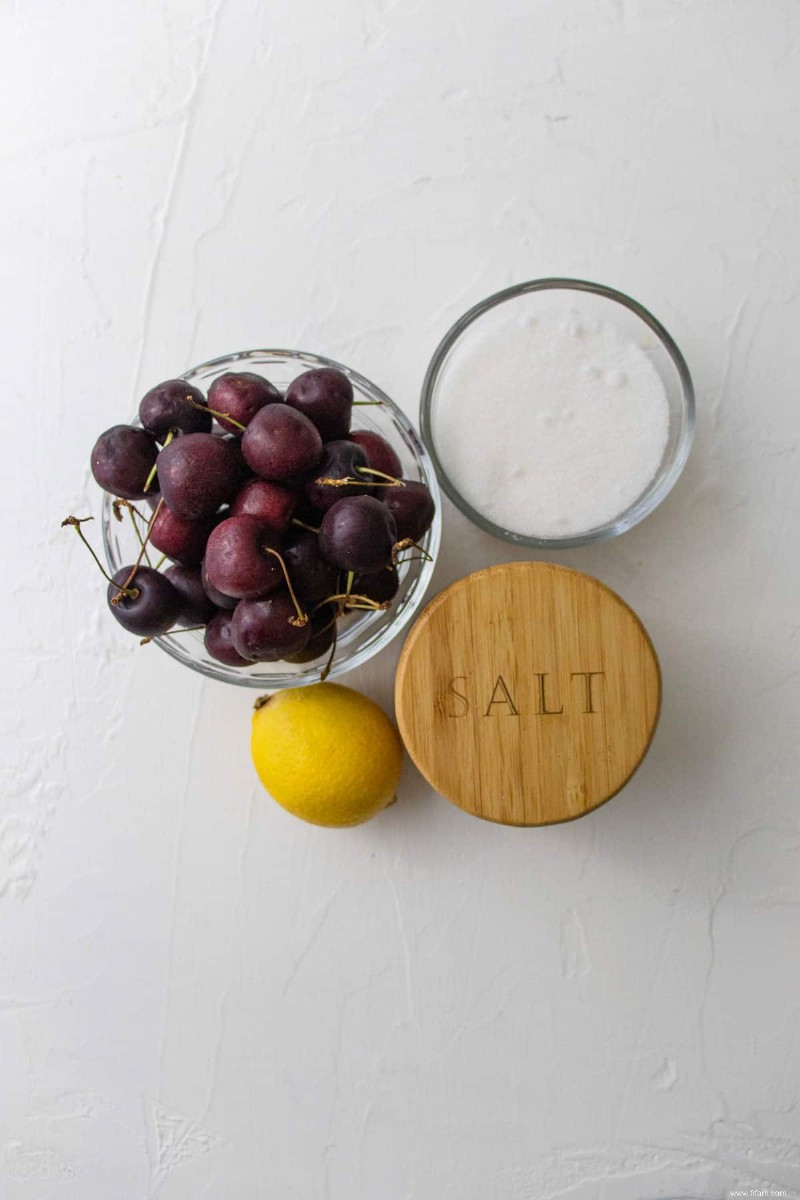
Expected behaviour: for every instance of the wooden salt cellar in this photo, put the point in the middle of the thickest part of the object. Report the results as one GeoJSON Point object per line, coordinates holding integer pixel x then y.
{"type": "Point", "coordinates": [528, 693]}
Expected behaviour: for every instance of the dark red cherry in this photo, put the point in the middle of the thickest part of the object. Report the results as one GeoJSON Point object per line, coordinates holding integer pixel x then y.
{"type": "Point", "coordinates": [312, 576]}
{"type": "Point", "coordinates": [325, 396]}
{"type": "Point", "coordinates": [380, 586]}
{"type": "Point", "coordinates": [122, 459]}
{"type": "Point", "coordinates": [182, 541]}
{"type": "Point", "coordinates": [238, 561]}
{"type": "Point", "coordinates": [153, 605]}
{"type": "Point", "coordinates": [412, 508]}
{"type": "Point", "coordinates": [280, 443]}
{"type": "Point", "coordinates": [197, 473]}
{"type": "Point", "coordinates": [263, 630]}
{"type": "Point", "coordinates": [323, 628]}
{"type": "Point", "coordinates": [340, 461]}
{"type": "Point", "coordinates": [358, 534]}
{"type": "Point", "coordinates": [272, 503]}
{"type": "Point", "coordinates": [217, 598]}
{"type": "Point", "coordinates": [196, 606]}
{"type": "Point", "coordinates": [218, 639]}
{"type": "Point", "coordinates": [380, 455]}
{"type": "Point", "coordinates": [240, 394]}
{"type": "Point", "coordinates": [169, 407]}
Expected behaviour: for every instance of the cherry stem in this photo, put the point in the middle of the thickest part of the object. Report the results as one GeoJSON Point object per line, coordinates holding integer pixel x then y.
{"type": "Point", "coordinates": [362, 403]}
{"type": "Point", "coordinates": [326, 670]}
{"type": "Point", "coordinates": [345, 599]}
{"type": "Point", "coordinates": [139, 514]}
{"type": "Point", "coordinates": [119, 504]}
{"type": "Point", "coordinates": [393, 482]}
{"type": "Point", "coordinates": [406, 544]}
{"type": "Point", "coordinates": [302, 618]}
{"type": "Point", "coordinates": [348, 482]}
{"type": "Point", "coordinates": [122, 592]}
{"type": "Point", "coordinates": [302, 524]}
{"type": "Point", "coordinates": [173, 633]}
{"type": "Point", "coordinates": [341, 598]}
{"type": "Point", "coordinates": [142, 543]}
{"type": "Point", "coordinates": [76, 523]}
{"type": "Point", "coordinates": [221, 416]}
{"type": "Point", "coordinates": [148, 483]}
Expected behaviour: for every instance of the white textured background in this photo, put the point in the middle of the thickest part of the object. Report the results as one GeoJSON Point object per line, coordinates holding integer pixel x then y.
{"type": "Point", "coordinates": [202, 999]}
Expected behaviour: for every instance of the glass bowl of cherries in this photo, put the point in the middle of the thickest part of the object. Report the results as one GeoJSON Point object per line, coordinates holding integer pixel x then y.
{"type": "Point", "coordinates": [270, 518]}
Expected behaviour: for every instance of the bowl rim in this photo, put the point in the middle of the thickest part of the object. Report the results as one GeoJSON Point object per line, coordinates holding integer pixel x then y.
{"type": "Point", "coordinates": [402, 616]}
{"type": "Point", "coordinates": [650, 498]}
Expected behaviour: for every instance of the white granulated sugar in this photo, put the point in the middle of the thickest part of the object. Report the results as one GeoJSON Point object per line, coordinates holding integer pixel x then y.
{"type": "Point", "coordinates": [551, 425]}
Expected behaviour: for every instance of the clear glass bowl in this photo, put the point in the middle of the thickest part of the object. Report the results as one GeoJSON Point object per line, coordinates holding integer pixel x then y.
{"type": "Point", "coordinates": [592, 301]}
{"type": "Point", "coordinates": [361, 635]}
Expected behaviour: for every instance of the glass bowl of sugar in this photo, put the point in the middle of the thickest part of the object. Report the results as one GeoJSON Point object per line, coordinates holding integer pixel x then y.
{"type": "Point", "coordinates": [557, 412]}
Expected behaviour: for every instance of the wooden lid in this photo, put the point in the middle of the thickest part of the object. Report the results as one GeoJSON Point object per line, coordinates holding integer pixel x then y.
{"type": "Point", "coordinates": [528, 693]}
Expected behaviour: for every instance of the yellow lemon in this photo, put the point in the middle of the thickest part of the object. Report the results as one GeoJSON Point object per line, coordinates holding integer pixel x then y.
{"type": "Point", "coordinates": [326, 753]}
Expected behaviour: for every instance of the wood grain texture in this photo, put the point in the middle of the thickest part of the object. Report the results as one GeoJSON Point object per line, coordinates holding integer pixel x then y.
{"type": "Point", "coordinates": [528, 693]}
